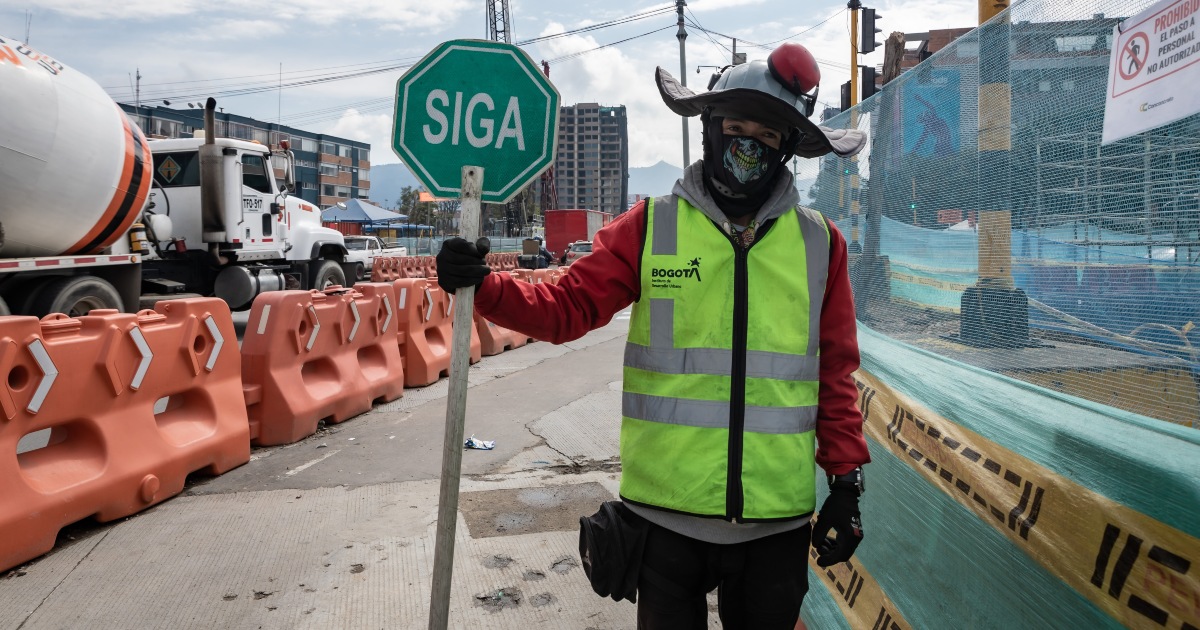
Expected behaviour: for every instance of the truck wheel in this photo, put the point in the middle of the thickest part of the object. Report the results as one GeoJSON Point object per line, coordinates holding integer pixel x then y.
{"type": "Point", "coordinates": [327, 273]}
{"type": "Point", "coordinates": [75, 296]}
{"type": "Point", "coordinates": [360, 272]}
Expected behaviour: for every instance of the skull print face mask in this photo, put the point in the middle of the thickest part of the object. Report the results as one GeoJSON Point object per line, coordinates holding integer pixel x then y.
{"type": "Point", "coordinates": [744, 165]}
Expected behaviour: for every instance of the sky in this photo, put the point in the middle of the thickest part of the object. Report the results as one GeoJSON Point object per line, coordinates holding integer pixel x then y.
{"type": "Point", "coordinates": [186, 50]}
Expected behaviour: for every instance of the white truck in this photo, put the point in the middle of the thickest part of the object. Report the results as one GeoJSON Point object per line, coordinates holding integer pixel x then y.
{"type": "Point", "coordinates": [93, 216]}
{"type": "Point", "coordinates": [363, 250]}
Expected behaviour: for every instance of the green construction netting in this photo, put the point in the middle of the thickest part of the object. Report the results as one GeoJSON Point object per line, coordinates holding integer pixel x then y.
{"type": "Point", "coordinates": [1032, 404]}
{"type": "Point", "coordinates": [1100, 243]}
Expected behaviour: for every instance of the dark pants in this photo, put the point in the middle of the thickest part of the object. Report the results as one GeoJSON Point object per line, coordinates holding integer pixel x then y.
{"type": "Point", "coordinates": [760, 584]}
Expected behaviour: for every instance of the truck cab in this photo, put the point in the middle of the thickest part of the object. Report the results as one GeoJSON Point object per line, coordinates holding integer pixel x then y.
{"type": "Point", "coordinates": [218, 199]}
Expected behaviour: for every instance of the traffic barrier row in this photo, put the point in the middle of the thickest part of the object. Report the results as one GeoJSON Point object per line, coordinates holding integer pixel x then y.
{"type": "Point", "coordinates": [133, 404]}
{"type": "Point", "coordinates": [318, 355]}
{"type": "Point", "coordinates": [506, 261]}
{"type": "Point", "coordinates": [391, 268]}
{"type": "Point", "coordinates": [169, 394]}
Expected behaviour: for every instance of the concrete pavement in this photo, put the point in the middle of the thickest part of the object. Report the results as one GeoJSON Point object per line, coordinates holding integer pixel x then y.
{"type": "Point", "coordinates": [338, 530]}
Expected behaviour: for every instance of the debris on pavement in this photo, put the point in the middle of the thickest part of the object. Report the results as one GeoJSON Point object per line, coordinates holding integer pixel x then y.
{"type": "Point", "coordinates": [483, 445]}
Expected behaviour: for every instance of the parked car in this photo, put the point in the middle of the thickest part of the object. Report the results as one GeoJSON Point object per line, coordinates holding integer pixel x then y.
{"type": "Point", "coordinates": [575, 251]}
{"type": "Point", "coordinates": [363, 250]}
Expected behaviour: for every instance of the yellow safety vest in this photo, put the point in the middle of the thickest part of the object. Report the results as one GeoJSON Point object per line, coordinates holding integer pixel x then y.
{"type": "Point", "coordinates": [722, 367]}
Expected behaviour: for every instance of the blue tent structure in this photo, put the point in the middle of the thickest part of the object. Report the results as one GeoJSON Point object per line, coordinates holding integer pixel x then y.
{"type": "Point", "coordinates": [359, 211]}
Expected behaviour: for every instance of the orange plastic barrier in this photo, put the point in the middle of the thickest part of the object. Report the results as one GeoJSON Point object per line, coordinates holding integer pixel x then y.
{"type": "Point", "coordinates": [426, 346]}
{"type": "Point", "coordinates": [312, 355]}
{"type": "Point", "coordinates": [545, 275]}
{"type": "Point", "coordinates": [386, 269]}
{"type": "Point", "coordinates": [426, 319]}
{"type": "Point", "coordinates": [493, 339]}
{"type": "Point", "coordinates": [133, 404]}
{"type": "Point", "coordinates": [429, 263]}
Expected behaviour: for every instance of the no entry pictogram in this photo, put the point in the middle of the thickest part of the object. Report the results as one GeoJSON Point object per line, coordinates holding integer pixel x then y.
{"type": "Point", "coordinates": [1133, 56]}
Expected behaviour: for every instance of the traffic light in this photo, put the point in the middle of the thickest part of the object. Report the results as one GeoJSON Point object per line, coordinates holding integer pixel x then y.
{"type": "Point", "coordinates": [868, 82]}
{"type": "Point", "coordinates": [867, 41]}
{"type": "Point", "coordinates": [846, 96]}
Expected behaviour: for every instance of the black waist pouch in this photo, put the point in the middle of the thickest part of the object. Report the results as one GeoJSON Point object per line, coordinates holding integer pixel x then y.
{"type": "Point", "coordinates": [610, 547]}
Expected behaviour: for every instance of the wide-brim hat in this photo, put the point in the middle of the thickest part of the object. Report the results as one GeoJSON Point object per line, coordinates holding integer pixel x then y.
{"type": "Point", "coordinates": [750, 88]}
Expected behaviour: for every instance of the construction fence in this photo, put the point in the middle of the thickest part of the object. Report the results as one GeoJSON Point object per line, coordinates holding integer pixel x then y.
{"type": "Point", "coordinates": [1028, 302]}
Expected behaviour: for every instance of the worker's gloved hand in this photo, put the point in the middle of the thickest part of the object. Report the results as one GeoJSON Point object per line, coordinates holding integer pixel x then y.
{"type": "Point", "coordinates": [461, 263]}
{"type": "Point", "coordinates": [840, 514]}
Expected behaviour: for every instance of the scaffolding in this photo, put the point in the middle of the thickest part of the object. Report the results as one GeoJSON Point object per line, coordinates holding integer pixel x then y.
{"type": "Point", "coordinates": [1148, 185]}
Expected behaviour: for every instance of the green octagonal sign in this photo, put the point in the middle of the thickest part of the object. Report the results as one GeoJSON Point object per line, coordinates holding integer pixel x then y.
{"type": "Point", "coordinates": [479, 103]}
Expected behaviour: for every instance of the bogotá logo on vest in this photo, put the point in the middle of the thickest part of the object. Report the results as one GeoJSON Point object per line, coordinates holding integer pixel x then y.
{"type": "Point", "coordinates": [692, 270]}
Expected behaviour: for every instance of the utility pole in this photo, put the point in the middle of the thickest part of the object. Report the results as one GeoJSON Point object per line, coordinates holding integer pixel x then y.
{"type": "Point", "coordinates": [854, 6]}
{"type": "Point", "coordinates": [994, 313]}
{"type": "Point", "coordinates": [681, 35]}
{"type": "Point", "coordinates": [137, 91]}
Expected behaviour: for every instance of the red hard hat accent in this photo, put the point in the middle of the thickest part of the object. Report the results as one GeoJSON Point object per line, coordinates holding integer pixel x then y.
{"type": "Point", "coordinates": [792, 65]}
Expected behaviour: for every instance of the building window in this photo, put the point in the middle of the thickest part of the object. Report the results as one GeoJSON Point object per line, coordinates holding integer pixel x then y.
{"type": "Point", "coordinates": [329, 147]}
{"type": "Point", "coordinates": [328, 170]}
{"type": "Point", "coordinates": [327, 190]}
{"type": "Point", "coordinates": [343, 191]}
{"type": "Point", "coordinates": [308, 144]}
{"type": "Point", "coordinates": [364, 155]}
{"type": "Point", "coordinates": [364, 174]}
{"type": "Point", "coordinates": [344, 151]}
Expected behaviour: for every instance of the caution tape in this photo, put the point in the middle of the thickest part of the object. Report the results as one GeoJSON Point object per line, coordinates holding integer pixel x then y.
{"type": "Point", "coordinates": [860, 598]}
{"type": "Point", "coordinates": [1139, 570]}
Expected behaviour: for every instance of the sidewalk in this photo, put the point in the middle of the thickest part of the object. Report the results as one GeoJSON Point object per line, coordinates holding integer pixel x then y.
{"type": "Point", "coordinates": [338, 531]}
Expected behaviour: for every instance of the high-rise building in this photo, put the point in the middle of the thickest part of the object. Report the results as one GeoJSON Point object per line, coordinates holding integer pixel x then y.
{"type": "Point", "coordinates": [328, 169]}
{"type": "Point", "coordinates": [592, 168]}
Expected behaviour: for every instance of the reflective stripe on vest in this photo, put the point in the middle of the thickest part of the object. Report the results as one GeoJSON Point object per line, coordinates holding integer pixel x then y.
{"type": "Point", "coordinates": [676, 441]}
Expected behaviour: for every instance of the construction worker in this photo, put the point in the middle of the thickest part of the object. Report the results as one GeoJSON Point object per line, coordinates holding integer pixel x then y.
{"type": "Point", "coordinates": [738, 359]}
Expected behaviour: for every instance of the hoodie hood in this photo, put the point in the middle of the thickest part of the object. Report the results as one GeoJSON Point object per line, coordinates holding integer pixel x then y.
{"type": "Point", "coordinates": [691, 187]}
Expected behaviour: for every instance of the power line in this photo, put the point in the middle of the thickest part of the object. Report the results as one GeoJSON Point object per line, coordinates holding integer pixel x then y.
{"type": "Point", "coordinates": [275, 75]}
{"type": "Point", "coordinates": [235, 86]}
{"type": "Point", "coordinates": [840, 11]}
{"type": "Point", "coordinates": [625, 20]}
{"type": "Point", "coordinates": [584, 52]}
{"type": "Point", "coordinates": [705, 32]}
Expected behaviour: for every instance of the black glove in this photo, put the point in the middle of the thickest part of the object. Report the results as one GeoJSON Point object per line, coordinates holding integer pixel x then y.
{"type": "Point", "coordinates": [839, 513]}
{"type": "Point", "coordinates": [461, 264]}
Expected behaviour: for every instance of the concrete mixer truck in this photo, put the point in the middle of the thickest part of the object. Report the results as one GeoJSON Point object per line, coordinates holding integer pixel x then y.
{"type": "Point", "coordinates": [92, 215]}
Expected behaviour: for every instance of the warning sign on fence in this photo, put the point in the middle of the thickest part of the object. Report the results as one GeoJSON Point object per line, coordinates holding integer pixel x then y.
{"type": "Point", "coordinates": [1154, 58]}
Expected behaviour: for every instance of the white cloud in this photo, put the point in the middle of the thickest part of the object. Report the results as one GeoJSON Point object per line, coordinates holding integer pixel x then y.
{"type": "Point", "coordinates": [612, 77]}
{"type": "Point", "coordinates": [373, 128]}
{"type": "Point", "coordinates": [229, 29]}
{"type": "Point", "coordinates": [716, 5]}
{"type": "Point", "coordinates": [141, 10]}
{"type": "Point", "coordinates": [391, 15]}
{"type": "Point", "coordinates": [401, 15]}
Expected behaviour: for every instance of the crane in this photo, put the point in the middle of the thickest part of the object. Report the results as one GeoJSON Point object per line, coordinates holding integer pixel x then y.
{"type": "Point", "coordinates": [499, 21]}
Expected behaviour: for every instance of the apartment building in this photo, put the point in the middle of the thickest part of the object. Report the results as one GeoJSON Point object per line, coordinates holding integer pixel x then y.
{"type": "Point", "coordinates": [592, 167]}
{"type": "Point", "coordinates": [329, 169]}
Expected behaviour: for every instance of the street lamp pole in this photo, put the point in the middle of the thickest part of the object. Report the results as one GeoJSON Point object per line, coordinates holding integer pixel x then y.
{"type": "Point", "coordinates": [681, 35]}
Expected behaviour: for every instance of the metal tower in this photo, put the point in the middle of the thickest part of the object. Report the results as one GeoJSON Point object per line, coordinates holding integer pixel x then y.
{"type": "Point", "coordinates": [499, 21]}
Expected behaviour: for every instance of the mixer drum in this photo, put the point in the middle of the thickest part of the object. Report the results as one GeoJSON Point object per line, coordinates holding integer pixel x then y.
{"type": "Point", "coordinates": [74, 171]}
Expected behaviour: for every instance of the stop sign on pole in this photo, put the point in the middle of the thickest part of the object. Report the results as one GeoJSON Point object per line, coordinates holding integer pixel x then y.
{"type": "Point", "coordinates": [479, 103]}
